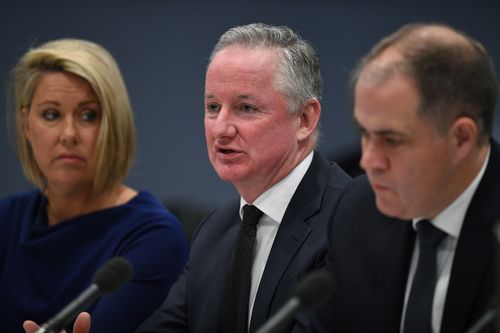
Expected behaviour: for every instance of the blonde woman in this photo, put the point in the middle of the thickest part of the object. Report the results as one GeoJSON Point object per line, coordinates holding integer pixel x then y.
{"type": "Point", "coordinates": [76, 142]}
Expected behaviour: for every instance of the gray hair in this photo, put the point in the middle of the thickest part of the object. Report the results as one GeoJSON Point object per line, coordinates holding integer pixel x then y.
{"type": "Point", "coordinates": [298, 76]}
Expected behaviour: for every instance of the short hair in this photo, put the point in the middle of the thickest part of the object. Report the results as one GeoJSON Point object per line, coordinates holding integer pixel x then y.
{"type": "Point", "coordinates": [115, 145]}
{"type": "Point", "coordinates": [454, 77]}
{"type": "Point", "coordinates": [298, 76]}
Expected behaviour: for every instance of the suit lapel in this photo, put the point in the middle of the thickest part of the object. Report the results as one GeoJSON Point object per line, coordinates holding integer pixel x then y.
{"type": "Point", "coordinates": [290, 241]}
{"type": "Point", "coordinates": [475, 251]}
{"type": "Point", "coordinates": [394, 261]}
{"type": "Point", "coordinates": [228, 225]}
{"type": "Point", "coordinates": [292, 233]}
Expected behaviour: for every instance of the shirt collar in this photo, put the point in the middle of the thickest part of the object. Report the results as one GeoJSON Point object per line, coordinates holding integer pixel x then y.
{"type": "Point", "coordinates": [451, 219]}
{"type": "Point", "coordinates": [275, 200]}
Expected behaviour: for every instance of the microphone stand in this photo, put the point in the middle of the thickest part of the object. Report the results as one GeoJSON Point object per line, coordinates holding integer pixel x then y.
{"type": "Point", "coordinates": [490, 318]}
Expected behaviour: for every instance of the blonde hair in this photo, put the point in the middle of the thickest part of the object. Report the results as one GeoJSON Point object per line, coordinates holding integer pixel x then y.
{"type": "Point", "coordinates": [91, 62]}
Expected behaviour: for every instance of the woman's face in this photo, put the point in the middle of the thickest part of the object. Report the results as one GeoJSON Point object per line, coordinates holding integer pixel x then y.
{"type": "Point", "coordinates": [62, 126]}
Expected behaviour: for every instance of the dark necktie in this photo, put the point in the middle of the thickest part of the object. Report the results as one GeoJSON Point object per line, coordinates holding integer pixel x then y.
{"type": "Point", "coordinates": [234, 311]}
{"type": "Point", "coordinates": [418, 317]}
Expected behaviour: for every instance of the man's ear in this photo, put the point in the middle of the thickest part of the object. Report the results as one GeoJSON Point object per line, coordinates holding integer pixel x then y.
{"type": "Point", "coordinates": [464, 135]}
{"type": "Point", "coordinates": [309, 119]}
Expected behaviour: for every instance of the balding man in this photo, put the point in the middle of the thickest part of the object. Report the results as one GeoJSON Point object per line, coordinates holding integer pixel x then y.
{"type": "Point", "coordinates": [412, 242]}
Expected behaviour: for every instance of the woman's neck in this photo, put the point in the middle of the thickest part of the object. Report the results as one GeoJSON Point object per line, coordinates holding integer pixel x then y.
{"type": "Point", "coordinates": [68, 204]}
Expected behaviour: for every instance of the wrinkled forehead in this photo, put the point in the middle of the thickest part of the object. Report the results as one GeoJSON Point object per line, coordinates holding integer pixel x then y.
{"type": "Point", "coordinates": [243, 54]}
{"type": "Point", "coordinates": [238, 65]}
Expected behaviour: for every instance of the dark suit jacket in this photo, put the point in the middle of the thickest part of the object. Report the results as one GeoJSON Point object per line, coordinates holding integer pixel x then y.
{"type": "Point", "coordinates": [371, 253]}
{"type": "Point", "coordinates": [300, 246]}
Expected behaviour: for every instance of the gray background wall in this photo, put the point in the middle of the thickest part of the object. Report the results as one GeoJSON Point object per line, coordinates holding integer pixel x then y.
{"type": "Point", "coordinates": [162, 49]}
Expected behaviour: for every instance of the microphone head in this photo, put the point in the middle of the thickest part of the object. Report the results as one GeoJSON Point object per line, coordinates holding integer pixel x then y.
{"type": "Point", "coordinates": [315, 288]}
{"type": "Point", "coordinates": [112, 274]}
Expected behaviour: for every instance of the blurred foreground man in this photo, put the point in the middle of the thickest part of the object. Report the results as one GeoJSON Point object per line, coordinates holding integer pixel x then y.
{"type": "Point", "coordinates": [412, 242]}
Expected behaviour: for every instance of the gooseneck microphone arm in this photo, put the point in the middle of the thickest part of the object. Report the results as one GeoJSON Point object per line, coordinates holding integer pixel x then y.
{"type": "Point", "coordinates": [312, 290]}
{"type": "Point", "coordinates": [109, 277]}
{"type": "Point", "coordinates": [485, 320]}
{"type": "Point", "coordinates": [57, 323]}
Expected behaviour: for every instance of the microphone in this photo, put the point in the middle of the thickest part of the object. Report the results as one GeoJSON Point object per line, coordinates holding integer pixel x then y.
{"type": "Point", "coordinates": [109, 277]}
{"type": "Point", "coordinates": [315, 288]}
{"type": "Point", "coordinates": [485, 320]}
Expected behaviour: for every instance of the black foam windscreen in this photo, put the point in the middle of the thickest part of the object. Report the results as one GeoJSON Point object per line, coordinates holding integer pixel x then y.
{"type": "Point", "coordinates": [112, 274]}
{"type": "Point", "coordinates": [315, 288]}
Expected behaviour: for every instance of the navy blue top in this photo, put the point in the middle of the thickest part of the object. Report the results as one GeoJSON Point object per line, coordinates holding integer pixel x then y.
{"type": "Point", "coordinates": [43, 268]}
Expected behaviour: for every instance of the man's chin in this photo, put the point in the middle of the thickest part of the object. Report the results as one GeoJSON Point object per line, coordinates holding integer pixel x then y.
{"type": "Point", "coordinates": [389, 208]}
{"type": "Point", "coordinates": [228, 176]}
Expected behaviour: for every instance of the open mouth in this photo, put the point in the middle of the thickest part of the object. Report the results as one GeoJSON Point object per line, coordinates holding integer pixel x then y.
{"type": "Point", "coordinates": [226, 151]}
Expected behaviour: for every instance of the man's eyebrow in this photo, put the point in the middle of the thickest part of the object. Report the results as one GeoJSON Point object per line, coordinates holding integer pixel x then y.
{"type": "Point", "coordinates": [381, 132]}
{"type": "Point", "coordinates": [385, 132]}
{"type": "Point", "coordinates": [246, 96]}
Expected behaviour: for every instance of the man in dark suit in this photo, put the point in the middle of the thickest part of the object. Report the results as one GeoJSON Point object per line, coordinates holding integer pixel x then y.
{"type": "Point", "coordinates": [262, 108]}
{"type": "Point", "coordinates": [412, 245]}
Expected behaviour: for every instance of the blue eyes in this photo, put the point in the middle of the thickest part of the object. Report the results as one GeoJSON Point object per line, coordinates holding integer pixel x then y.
{"type": "Point", "coordinates": [50, 115]}
{"type": "Point", "coordinates": [244, 108]}
{"type": "Point", "coordinates": [86, 115]}
{"type": "Point", "coordinates": [89, 115]}
{"type": "Point", "coordinates": [248, 108]}
{"type": "Point", "coordinates": [212, 108]}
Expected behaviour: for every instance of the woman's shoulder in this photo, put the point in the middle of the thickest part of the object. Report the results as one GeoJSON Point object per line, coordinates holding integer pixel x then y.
{"type": "Point", "coordinates": [20, 200]}
{"type": "Point", "coordinates": [146, 207]}
{"type": "Point", "coordinates": [147, 202]}
{"type": "Point", "coordinates": [144, 217]}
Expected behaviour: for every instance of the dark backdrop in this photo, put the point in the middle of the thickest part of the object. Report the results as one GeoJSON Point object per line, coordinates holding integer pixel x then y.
{"type": "Point", "coordinates": [162, 49]}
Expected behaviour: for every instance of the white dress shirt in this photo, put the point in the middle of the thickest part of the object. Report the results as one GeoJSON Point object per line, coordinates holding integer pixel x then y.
{"type": "Point", "coordinates": [450, 221]}
{"type": "Point", "coordinates": [273, 203]}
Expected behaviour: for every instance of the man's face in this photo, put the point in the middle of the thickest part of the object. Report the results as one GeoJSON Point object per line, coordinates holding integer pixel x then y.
{"type": "Point", "coordinates": [251, 137]}
{"type": "Point", "coordinates": [407, 161]}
